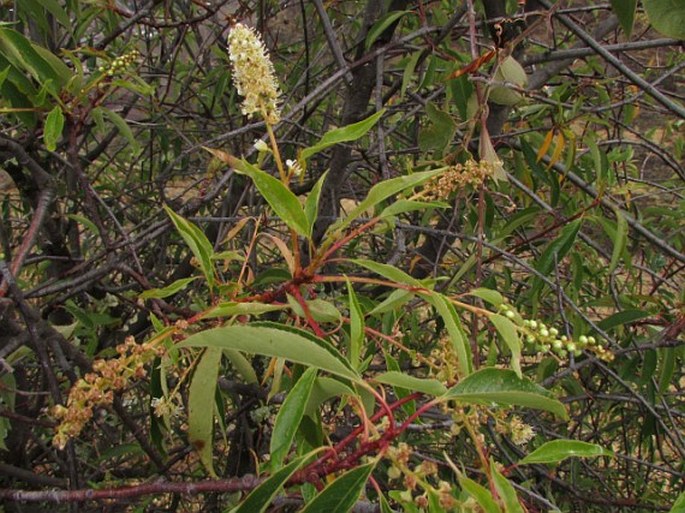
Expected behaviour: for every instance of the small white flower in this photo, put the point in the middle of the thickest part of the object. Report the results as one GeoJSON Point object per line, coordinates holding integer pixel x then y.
{"type": "Point", "coordinates": [294, 167]}
{"type": "Point", "coordinates": [261, 146]}
{"type": "Point", "coordinates": [253, 74]}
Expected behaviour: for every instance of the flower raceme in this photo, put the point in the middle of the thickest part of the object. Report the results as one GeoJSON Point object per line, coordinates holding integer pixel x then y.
{"type": "Point", "coordinates": [253, 73]}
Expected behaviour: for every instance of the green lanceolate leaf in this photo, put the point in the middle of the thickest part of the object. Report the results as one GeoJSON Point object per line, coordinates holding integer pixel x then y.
{"type": "Point", "coordinates": [21, 53]}
{"type": "Point", "coordinates": [456, 332]}
{"type": "Point", "coordinates": [403, 205]}
{"type": "Point", "coordinates": [197, 242]}
{"type": "Point", "coordinates": [272, 339]}
{"type": "Point", "coordinates": [620, 240]}
{"type": "Point", "coordinates": [503, 387]}
{"type": "Point", "coordinates": [169, 290]}
{"type": "Point", "coordinates": [356, 328]}
{"type": "Point", "coordinates": [555, 252]}
{"type": "Point", "coordinates": [383, 191]}
{"type": "Point", "coordinates": [507, 331]}
{"type": "Point", "coordinates": [121, 125]}
{"type": "Point", "coordinates": [201, 406]}
{"type": "Point", "coordinates": [260, 498]}
{"type": "Point", "coordinates": [281, 199]}
{"type": "Point", "coordinates": [342, 494]}
{"type": "Point", "coordinates": [399, 379]}
{"type": "Point", "coordinates": [558, 450]}
{"type": "Point", "coordinates": [390, 272]}
{"type": "Point", "coordinates": [54, 124]}
{"type": "Point", "coordinates": [480, 493]}
{"type": "Point", "coordinates": [347, 133]}
{"type": "Point", "coordinates": [505, 490]}
{"type": "Point", "coordinates": [491, 296]}
{"type": "Point", "coordinates": [381, 25]}
{"type": "Point", "coordinates": [230, 308]}
{"type": "Point", "coordinates": [289, 417]}
{"type": "Point", "coordinates": [679, 504]}
{"type": "Point", "coordinates": [311, 204]}
{"type": "Point", "coordinates": [625, 12]}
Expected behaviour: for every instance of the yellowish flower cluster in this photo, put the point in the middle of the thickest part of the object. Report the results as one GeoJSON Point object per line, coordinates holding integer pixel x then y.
{"type": "Point", "coordinates": [457, 177]}
{"type": "Point", "coordinates": [253, 73]}
{"type": "Point", "coordinates": [97, 388]}
{"type": "Point", "coordinates": [521, 433]}
{"type": "Point", "coordinates": [418, 476]}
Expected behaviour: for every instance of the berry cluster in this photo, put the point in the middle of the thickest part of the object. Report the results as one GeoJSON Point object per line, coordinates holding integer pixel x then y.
{"type": "Point", "coordinates": [540, 338]}
{"type": "Point", "coordinates": [120, 63]}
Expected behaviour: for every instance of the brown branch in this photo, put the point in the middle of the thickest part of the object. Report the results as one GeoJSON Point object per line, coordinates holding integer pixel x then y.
{"type": "Point", "coordinates": [127, 492]}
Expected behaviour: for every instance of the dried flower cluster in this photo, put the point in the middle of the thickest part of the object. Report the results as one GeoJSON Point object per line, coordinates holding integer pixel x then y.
{"type": "Point", "coordinates": [253, 73]}
{"type": "Point", "coordinates": [97, 388]}
{"type": "Point", "coordinates": [458, 176]}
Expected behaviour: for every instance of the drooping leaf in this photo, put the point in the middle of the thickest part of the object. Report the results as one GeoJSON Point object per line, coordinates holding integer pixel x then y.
{"type": "Point", "coordinates": [121, 125]}
{"type": "Point", "coordinates": [556, 251]}
{"type": "Point", "coordinates": [502, 386]}
{"type": "Point", "coordinates": [558, 450]}
{"type": "Point", "coordinates": [381, 25]}
{"type": "Point", "coordinates": [261, 497]}
{"type": "Point", "coordinates": [347, 133]}
{"type": "Point", "coordinates": [270, 339]}
{"type": "Point", "coordinates": [400, 379]}
{"type": "Point", "coordinates": [455, 330]}
{"type": "Point", "coordinates": [620, 239]}
{"type": "Point", "coordinates": [54, 124]}
{"type": "Point", "coordinates": [22, 54]}
{"type": "Point", "coordinates": [507, 331]}
{"type": "Point", "coordinates": [197, 242]}
{"type": "Point", "coordinates": [342, 494]}
{"type": "Point", "coordinates": [625, 12]}
{"type": "Point", "coordinates": [289, 417]}
{"type": "Point", "coordinates": [356, 327]}
{"type": "Point", "coordinates": [201, 406]}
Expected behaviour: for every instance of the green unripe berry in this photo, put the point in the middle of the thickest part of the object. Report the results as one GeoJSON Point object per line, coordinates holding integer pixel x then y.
{"type": "Point", "coordinates": [557, 344]}
{"type": "Point", "coordinates": [554, 332]}
{"type": "Point", "coordinates": [583, 339]}
{"type": "Point", "coordinates": [591, 341]}
{"type": "Point", "coordinates": [544, 332]}
{"type": "Point", "coordinates": [533, 324]}
{"type": "Point", "coordinates": [510, 314]}
{"type": "Point", "coordinates": [571, 347]}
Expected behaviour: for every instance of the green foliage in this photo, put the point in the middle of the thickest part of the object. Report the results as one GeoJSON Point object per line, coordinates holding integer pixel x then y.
{"type": "Point", "coordinates": [494, 283]}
